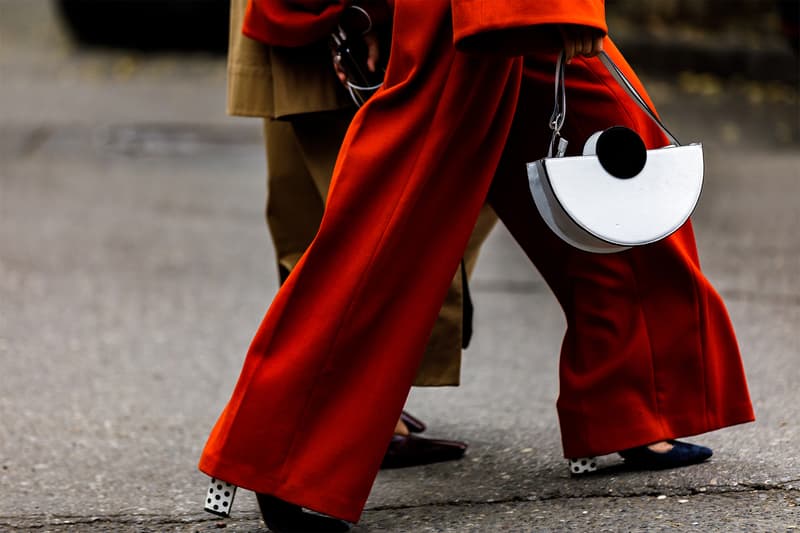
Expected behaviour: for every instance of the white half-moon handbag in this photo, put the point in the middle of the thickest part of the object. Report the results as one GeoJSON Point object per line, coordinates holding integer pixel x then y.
{"type": "Point", "coordinates": [617, 194]}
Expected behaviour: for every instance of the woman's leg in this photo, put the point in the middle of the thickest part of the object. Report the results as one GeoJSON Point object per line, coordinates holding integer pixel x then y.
{"type": "Point", "coordinates": [649, 353]}
{"type": "Point", "coordinates": [319, 136]}
{"type": "Point", "coordinates": [294, 206]}
{"type": "Point", "coordinates": [341, 343]}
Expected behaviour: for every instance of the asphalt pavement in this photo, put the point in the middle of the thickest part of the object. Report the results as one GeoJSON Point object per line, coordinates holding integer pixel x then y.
{"type": "Point", "coordinates": [135, 266]}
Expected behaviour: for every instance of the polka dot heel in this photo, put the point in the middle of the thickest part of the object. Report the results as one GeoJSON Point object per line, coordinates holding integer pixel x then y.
{"type": "Point", "coordinates": [582, 465]}
{"type": "Point", "coordinates": [219, 497]}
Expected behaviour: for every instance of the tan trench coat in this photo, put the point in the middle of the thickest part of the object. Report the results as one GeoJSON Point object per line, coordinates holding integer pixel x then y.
{"type": "Point", "coordinates": [285, 86]}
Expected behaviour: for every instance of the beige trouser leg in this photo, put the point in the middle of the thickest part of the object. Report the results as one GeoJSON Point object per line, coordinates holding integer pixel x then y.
{"type": "Point", "coordinates": [294, 205]}
{"type": "Point", "coordinates": [301, 154]}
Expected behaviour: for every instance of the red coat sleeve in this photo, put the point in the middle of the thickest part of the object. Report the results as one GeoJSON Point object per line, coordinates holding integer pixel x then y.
{"type": "Point", "coordinates": [303, 22]}
{"type": "Point", "coordinates": [291, 22]}
{"type": "Point", "coordinates": [516, 27]}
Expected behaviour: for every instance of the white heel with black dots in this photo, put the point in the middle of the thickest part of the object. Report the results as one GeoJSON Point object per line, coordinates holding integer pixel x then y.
{"type": "Point", "coordinates": [219, 497]}
{"type": "Point", "coordinates": [582, 465]}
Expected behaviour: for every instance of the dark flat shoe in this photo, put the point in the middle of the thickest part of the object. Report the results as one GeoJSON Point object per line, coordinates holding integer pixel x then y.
{"type": "Point", "coordinates": [414, 424]}
{"type": "Point", "coordinates": [285, 517]}
{"type": "Point", "coordinates": [681, 454]}
{"type": "Point", "coordinates": [412, 450]}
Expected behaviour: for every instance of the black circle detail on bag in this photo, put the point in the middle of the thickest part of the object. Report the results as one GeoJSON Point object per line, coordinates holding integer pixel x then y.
{"type": "Point", "coordinates": [621, 152]}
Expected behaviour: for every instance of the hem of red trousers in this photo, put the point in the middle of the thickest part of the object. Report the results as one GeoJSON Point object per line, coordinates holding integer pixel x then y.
{"type": "Point", "coordinates": [596, 442]}
{"type": "Point", "coordinates": [296, 491]}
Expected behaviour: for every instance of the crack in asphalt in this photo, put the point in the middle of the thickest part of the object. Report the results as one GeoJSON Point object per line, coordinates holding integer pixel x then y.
{"type": "Point", "coordinates": [126, 519]}
{"type": "Point", "coordinates": [716, 490]}
{"type": "Point", "coordinates": [194, 518]}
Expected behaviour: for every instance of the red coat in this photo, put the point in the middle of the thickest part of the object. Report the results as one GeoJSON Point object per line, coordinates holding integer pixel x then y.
{"type": "Point", "coordinates": [302, 22]}
{"type": "Point", "coordinates": [517, 27]}
{"type": "Point", "coordinates": [649, 353]}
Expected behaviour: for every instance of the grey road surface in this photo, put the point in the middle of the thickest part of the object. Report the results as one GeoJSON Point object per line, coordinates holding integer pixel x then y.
{"type": "Point", "coordinates": [135, 266]}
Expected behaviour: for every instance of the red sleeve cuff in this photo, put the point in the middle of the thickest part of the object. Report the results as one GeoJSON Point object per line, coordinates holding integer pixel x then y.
{"type": "Point", "coordinates": [517, 27]}
{"type": "Point", "coordinates": [302, 22]}
{"type": "Point", "coordinates": [291, 22]}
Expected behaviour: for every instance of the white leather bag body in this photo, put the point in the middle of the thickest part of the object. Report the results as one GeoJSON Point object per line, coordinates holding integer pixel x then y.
{"type": "Point", "coordinates": [617, 194]}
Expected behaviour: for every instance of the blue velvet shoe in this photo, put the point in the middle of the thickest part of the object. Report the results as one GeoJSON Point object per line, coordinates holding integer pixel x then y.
{"type": "Point", "coordinates": [681, 454]}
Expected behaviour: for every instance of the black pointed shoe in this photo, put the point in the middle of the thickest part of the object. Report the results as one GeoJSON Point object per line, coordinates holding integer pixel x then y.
{"type": "Point", "coordinates": [412, 450]}
{"type": "Point", "coordinates": [681, 454]}
{"type": "Point", "coordinates": [285, 517]}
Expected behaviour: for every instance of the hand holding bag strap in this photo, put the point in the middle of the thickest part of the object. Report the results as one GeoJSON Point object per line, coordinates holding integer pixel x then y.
{"type": "Point", "coordinates": [560, 108]}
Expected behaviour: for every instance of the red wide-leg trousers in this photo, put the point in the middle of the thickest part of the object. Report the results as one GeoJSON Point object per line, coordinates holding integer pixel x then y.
{"type": "Point", "coordinates": [649, 352]}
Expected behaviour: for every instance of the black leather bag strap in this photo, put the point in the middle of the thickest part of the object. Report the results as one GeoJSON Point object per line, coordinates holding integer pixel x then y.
{"type": "Point", "coordinates": [560, 108]}
{"type": "Point", "coordinates": [619, 76]}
